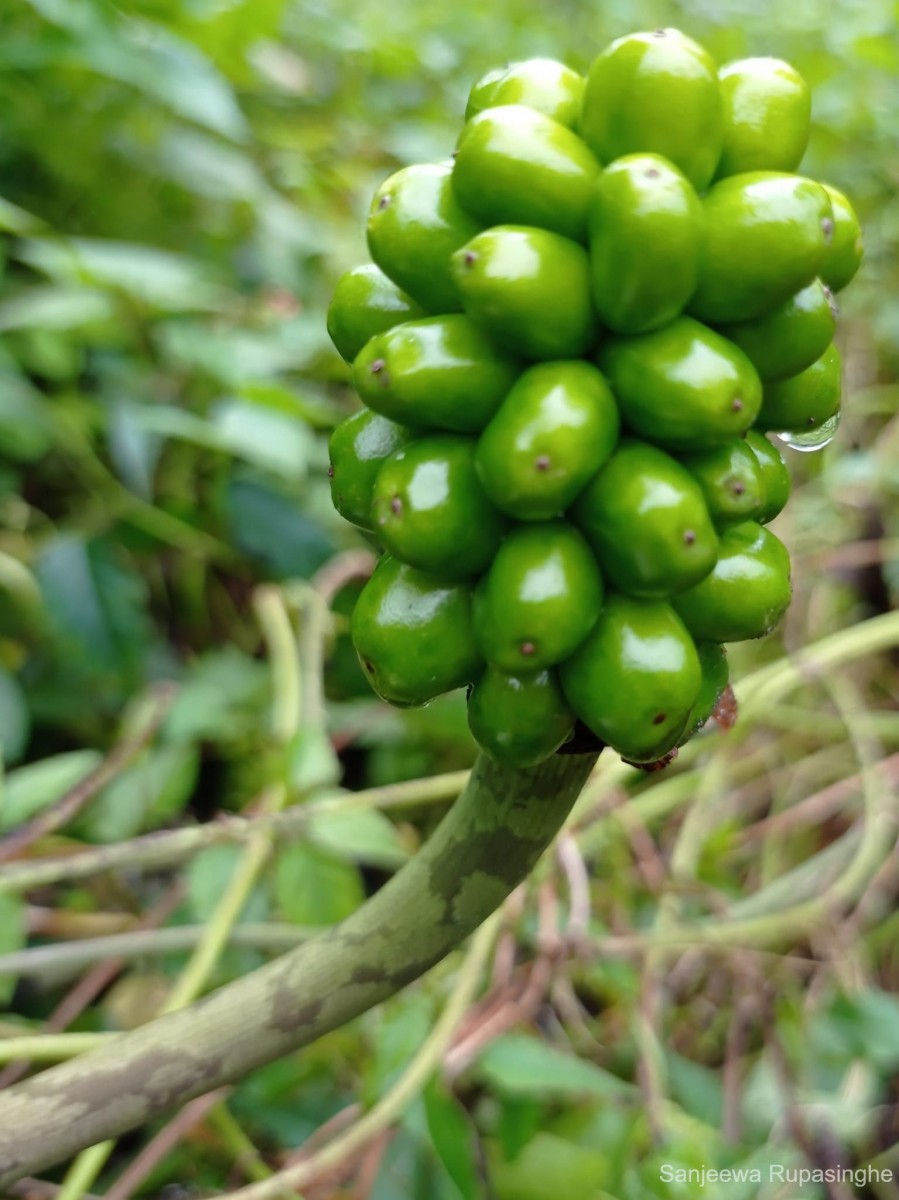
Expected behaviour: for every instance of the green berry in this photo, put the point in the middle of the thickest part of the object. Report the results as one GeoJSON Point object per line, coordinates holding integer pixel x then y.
{"type": "Point", "coordinates": [805, 401]}
{"type": "Point", "coordinates": [518, 167]}
{"type": "Point", "coordinates": [414, 226]}
{"type": "Point", "coordinates": [358, 448]}
{"type": "Point", "coordinates": [646, 518]}
{"type": "Point", "coordinates": [430, 511]}
{"type": "Point", "coordinates": [767, 112]}
{"type": "Point", "coordinates": [844, 254]}
{"type": "Point", "coordinates": [547, 86]}
{"type": "Point", "coordinates": [413, 634]}
{"type": "Point", "coordinates": [645, 233]}
{"type": "Point", "coordinates": [789, 337]}
{"type": "Point", "coordinates": [657, 92]}
{"type": "Point", "coordinates": [553, 431]}
{"type": "Point", "coordinates": [684, 386]}
{"type": "Point", "coordinates": [366, 302]}
{"type": "Point", "coordinates": [731, 481]}
{"type": "Point", "coordinates": [519, 719]}
{"type": "Point", "coordinates": [635, 679]}
{"type": "Point", "coordinates": [539, 599]}
{"type": "Point", "coordinates": [530, 289]}
{"type": "Point", "coordinates": [439, 373]}
{"type": "Point", "coordinates": [776, 482]}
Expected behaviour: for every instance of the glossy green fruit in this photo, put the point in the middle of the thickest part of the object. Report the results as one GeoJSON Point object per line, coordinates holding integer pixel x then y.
{"type": "Point", "coordinates": [655, 92]}
{"type": "Point", "coordinates": [776, 480]}
{"type": "Point", "coordinates": [358, 448]}
{"type": "Point", "coordinates": [413, 634]}
{"type": "Point", "coordinates": [539, 599]}
{"type": "Point", "coordinates": [547, 86]}
{"type": "Point", "coordinates": [766, 237]}
{"type": "Point", "coordinates": [635, 679]}
{"type": "Point", "coordinates": [715, 678]}
{"type": "Point", "coordinates": [553, 431]}
{"type": "Point", "coordinates": [844, 254]}
{"type": "Point", "coordinates": [805, 401]}
{"type": "Point", "coordinates": [530, 289]}
{"type": "Point", "coordinates": [731, 481]}
{"type": "Point", "coordinates": [788, 338]}
{"type": "Point", "coordinates": [430, 510]}
{"type": "Point", "coordinates": [517, 166]}
{"type": "Point", "coordinates": [767, 115]}
{"type": "Point", "coordinates": [746, 594]}
{"type": "Point", "coordinates": [519, 719]}
{"type": "Point", "coordinates": [645, 517]}
{"type": "Point", "coordinates": [442, 373]}
{"type": "Point", "coordinates": [684, 386]}
{"type": "Point", "coordinates": [366, 302]}
{"type": "Point", "coordinates": [645, 231]}
{"type": "Point", "coordinates": [414, 226]}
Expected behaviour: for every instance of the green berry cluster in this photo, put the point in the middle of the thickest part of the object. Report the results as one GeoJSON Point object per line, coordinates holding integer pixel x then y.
{"type": "Point", "coordinates": [570, 345]}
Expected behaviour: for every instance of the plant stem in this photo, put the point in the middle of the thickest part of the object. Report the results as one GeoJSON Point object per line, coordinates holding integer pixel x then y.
{"type": "Point", "coordinates": [483, 848]}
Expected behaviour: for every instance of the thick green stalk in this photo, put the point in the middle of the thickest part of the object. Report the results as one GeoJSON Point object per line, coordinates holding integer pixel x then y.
{"type": "Point", "coordinates": [484, 847]}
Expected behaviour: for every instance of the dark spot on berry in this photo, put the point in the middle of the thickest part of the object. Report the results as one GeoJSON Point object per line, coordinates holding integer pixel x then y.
{"type": "Point", "coordinates": [455, 154]}
{"type": "Point", "coordinates": [528, 649]}
{"type": "Point", "coordinates": [659, 718]}
{"type": "Point", "coordinates": [652, 173]}
{"type": "Point", "coordinates": [377, 368]}
{"type": "Point", "coordinates": [470, 258]}
{"type": "Point", "coordinates": [383, 203]}
{"type": "Point", "coordinates": [738, 488]}
{"type": "Point", "coordinates": [736, 405]}
{"type": "Point", "coordinates": [396, 506]}
{"type": "Point", "coordinates": [689, 536]}
{"type": "Point", "coordinates": [542, 462]}
{"type": "Point", "coordinates": [827, 227]}
{"type": "Point", "coordinates": [368, 665]}
{"type": "Point", "coordinates": [330, 470]}
{"type": "Point", "coordinates": [659, 33]}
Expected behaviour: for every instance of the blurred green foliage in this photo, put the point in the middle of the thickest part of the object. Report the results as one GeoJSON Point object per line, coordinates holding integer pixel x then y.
{"type": "Point", "coordinates": [181, 182]}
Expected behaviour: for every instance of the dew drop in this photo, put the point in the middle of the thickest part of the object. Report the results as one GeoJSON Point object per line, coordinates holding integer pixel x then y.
{"type": "Point", "coordinates": [815, 439]}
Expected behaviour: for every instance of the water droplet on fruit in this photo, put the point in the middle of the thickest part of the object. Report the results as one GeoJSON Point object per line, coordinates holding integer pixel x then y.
{"type": "Point", "coordinates": [815, 439]}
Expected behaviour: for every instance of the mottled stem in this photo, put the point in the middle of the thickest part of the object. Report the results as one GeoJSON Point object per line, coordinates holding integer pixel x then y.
{"type": "Point", "coordinates": [484, 847]}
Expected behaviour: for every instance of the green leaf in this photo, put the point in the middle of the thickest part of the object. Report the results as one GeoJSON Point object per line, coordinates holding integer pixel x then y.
{"type": "Point", "coordinates": [272, 440]}
{"type": "Point", "coordinates": [96, 606]}
{"type": "Point", "coordinates": [209, 874]}
{"type": "Point", "coordinates": [452, 1135]}
{"type": "Point", "coordinates": [313, 887]}
{"type": "Point", "coordinates": [26, 424]}
{"type": "Point", "coordinates": [13, 936]}
{"type": "Point", "coordinates": [269, 525]}
{"type": "Point", "coordinates": [15, 719]}
{"type": "Point", "coordinates": [525, 1066]}
{"type": "Point", "coordinates": [56, 306]}
{"type": "Point", "coordinates": [222, 696]}
{"type": "Point", "coordinates": [362, 835]}
{"type": "Point", "coordinates": [550, 1167]}
{"type": "Point", "coordinates": [142, 797]}
{"type": "Point", "coordinates": [165, 281]}
{"type": "Point", "coordinates": [28, 790]}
